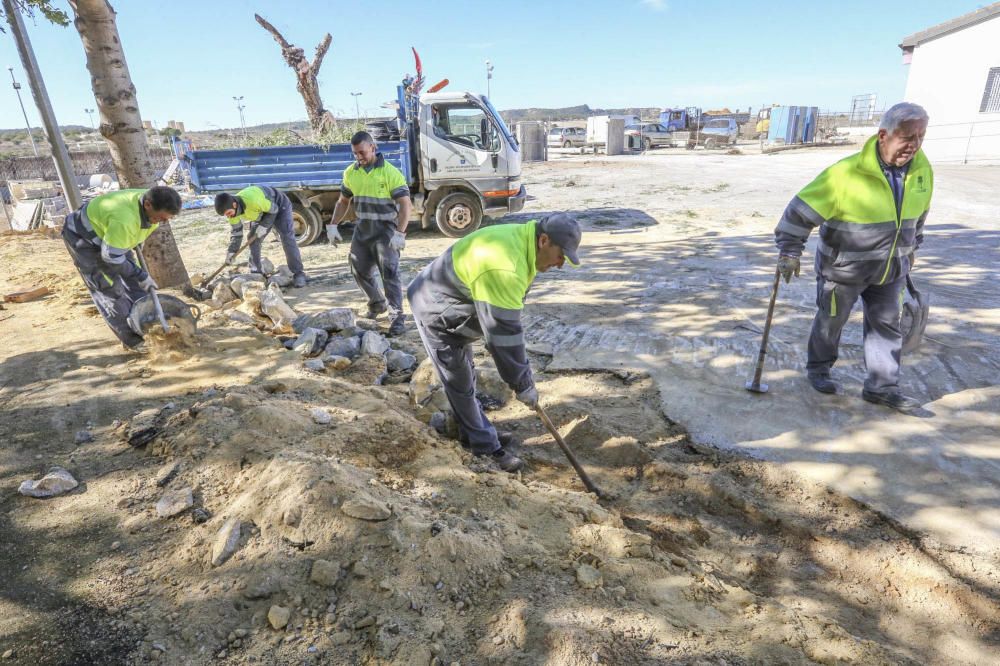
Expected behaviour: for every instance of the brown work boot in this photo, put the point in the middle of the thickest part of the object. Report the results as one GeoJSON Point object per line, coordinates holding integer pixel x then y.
{"type": "Point", "coordinates": [506, 460]}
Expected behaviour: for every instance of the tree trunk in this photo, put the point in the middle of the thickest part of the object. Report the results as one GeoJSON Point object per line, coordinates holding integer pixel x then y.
{"type": "Point", "coordinates": [306, 74]}
{"type": "Point", "coordinates": [121, 125]}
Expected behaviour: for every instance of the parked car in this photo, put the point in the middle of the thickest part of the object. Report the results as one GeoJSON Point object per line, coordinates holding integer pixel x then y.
{"type": "Point", "coordinates": [566, 137]}
{"type": "Point", "coordinates": [648, 135]}
{"type": "Point", "coordinates": [383, 130]}
{"type": "Point", "coordinates": [720, 132]}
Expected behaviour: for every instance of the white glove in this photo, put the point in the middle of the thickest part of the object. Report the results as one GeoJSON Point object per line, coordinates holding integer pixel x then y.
{"type": "Point", "coordinates": [529, 397]}
{"type": "Point", "coordinates": [230, 258]}
{"type": "Point", "coordinates": [398, 241]}
{"type": "Point", "coordinates": [333, 235]}
{"type": "Point", "coordinates": [147, 283]}
{"type": "Point", "coordinates": [260, 231]}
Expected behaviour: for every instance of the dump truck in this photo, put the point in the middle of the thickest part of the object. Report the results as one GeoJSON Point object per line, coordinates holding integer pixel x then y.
{"type": "Point", "coordinates": [457, 155]}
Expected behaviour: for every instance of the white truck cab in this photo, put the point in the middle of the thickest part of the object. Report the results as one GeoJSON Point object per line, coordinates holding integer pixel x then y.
{"type": "Point", "coordinates": [469, 162]}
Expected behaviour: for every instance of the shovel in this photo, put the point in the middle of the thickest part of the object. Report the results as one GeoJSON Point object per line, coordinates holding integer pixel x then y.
{"type": "Point", "coordinates": [754, 386]}
{"type": "Point", "coordinates": [152, 293]}
{"type": "Point", "coordinates": [569, 454]}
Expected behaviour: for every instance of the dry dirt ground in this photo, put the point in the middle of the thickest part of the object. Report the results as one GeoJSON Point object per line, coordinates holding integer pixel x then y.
{"type": "Point", "coordinates": [704, 554]}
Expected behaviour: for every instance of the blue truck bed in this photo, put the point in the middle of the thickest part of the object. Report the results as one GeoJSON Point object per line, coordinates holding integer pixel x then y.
{"type": "Point", "coordinates": [283, 167]}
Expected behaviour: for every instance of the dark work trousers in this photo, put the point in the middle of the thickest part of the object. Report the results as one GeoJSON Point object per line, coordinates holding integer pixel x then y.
{"type": "Point", "coordinates": [882, 336]}
{"type": "Point", "coordinates": [286, 232]}
{"type": "Point", "coordinates": [451, 355]}
{"type": "Point", "coordinates": [371, 256]}
{"type": "Point", "coordinates": [113, 295]}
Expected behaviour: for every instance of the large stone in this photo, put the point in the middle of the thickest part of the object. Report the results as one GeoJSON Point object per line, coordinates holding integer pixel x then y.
{"type": "Point", "coordinates": [588, 577]}
{"type": "Point", "coordinates": [222, 293]}
{"type": "Point", "coordinates": [56, 482]}
{"type": "Point", "coordinates": [283, 277]}
{"type": "Point", "coordinates": [278, 616]}
{"type": "Point", "coordinates": [491, 389]}
{"type": "Point", "coordinates": [266, 266]}
{"type": "Point", "coordinates": [396, 361]}
{"type": "Point", "coordinates": [366, 508]}
{"type": "Point", "coordinates": [320, 416]}
{"type": "Point", "coordinates": [332, 320]}
{"type": "Point", "coordinates": [273, 305]}
{"type": "Point", "coordinates": [315, 364]}
{"type": "Point", "coordinates": [426, 391]}
{"type": "Point", "coordinates": [325, 573]}
{"type": "Point", "coordinates": [241, 284]}
{"type": "Point", "coordinates": [174, 502]}
{"type": "Point", "coordinates": [227, 539]}
{"type": "Point", "coordinates": [346, 347]}
{"type": "Point", "coordinates": [374, 344]}
{"type": "Point", "coordinates": [310, 342]}
{"type": "Point", "coordinates": [336, 362]}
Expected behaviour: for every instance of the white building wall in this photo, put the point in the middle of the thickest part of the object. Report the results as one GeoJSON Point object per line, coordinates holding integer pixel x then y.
{"type": "Point", "coordinates": [947, 76]}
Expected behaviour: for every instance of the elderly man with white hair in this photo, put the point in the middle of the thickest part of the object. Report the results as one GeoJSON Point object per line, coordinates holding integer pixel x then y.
{"type": "Point", "coordinates": [870, 209]}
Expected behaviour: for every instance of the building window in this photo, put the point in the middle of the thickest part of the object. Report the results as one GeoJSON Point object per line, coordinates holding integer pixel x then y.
{"type": "Point", "coordinates": [991, 95]}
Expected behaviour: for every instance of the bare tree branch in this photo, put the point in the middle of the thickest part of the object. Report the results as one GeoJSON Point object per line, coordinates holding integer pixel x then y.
{"type": "Point", "coordinates": [274, 31]}
{"type": "Point", "coordinates": [321, 50]}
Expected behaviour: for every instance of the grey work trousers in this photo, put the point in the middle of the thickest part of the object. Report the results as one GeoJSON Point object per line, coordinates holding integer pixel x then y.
{"type": "Point", "coordinates": [372, 256]}
{"type": "Point", "coordinates": [113, 294]}
{"type": "Point", "coordinates": [286, 232]}
{"type": "Point", "coordinates": [451, 355]}
{"type": "Point", "coordinates": [883, 338]}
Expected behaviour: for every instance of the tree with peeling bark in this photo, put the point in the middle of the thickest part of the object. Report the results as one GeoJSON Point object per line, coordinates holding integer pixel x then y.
{"type": "Point", "coordinates": [121, 125]}
{"type": "Point", "coordinates": [306, 74]}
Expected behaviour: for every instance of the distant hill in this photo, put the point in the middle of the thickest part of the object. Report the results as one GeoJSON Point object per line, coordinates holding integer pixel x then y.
{"type": "Point", "coordinates": [575, 113]}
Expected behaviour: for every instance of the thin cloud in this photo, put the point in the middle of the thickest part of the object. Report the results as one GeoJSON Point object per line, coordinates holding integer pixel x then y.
{"type": "Point", "coordinates": [655, 5]}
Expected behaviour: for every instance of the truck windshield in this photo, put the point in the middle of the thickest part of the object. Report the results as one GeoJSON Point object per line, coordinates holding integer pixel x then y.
{"type": "Point", "coordinates": [499, 121]}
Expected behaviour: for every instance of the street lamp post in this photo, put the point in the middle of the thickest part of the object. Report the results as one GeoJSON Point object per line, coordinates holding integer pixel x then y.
{"type": "Point", "coordinates": [357, 110]}
{"type": "Point", "coordinates": [243, 122]}
{"type": "Point", "coordinates": [90, 112]}
{"type": "Point", "coordinates": [489, 76]}
{"type": "Point", "coordinates": [17, 89]}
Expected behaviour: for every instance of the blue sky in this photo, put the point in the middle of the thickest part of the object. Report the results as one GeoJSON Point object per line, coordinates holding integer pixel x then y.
{"type": "Point", "coordinates": [188, 59]}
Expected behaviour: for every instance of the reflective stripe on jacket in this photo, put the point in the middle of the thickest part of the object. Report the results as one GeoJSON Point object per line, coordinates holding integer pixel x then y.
{"type": "Point", "coordinates": [862, 238]}
{"type": "Point", "coordinates": [375, 190]}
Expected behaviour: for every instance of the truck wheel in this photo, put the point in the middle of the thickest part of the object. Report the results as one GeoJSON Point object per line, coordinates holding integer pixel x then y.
{"type": "Point", "coordinates": [647, 144]}
{"type": "Point", "coordinates": [458, 214]}
{"type": "Point", "coordinates": [306, 224]}
{"type": "Point", "coordinates": [709, 144]}
{"type": "Point", "coordinates": [567, 144]}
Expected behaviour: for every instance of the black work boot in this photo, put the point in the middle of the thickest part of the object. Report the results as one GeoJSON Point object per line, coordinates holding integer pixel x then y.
{"type": "Point", "coordinates": [397, 327]}
{"type": "Point", "coordinates": [506, 460]}
{"type": "Point", "coordinates": [375, 310]}
{"type": "Point", "coordinates": [823, 383]}
{"type": "Point", "coordinates": [893, 400]}
{"type": "Point", "coordinates": [300, 280]}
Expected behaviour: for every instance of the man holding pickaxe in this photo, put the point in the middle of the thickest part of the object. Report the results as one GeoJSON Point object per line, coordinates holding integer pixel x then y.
{"type": "Point", "coordinates": [265, 208]}
{"type": "Point", "coordinates": [870, 209]}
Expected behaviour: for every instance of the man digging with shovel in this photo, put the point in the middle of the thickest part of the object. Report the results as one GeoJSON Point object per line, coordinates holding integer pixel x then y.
{"type": "Point", "coordinates": [101, 237]}
{"type": "Point", "coordinates": [476, 290]}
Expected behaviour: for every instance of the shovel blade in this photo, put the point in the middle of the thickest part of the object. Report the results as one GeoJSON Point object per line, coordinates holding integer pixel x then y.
{"type": "Point", "coordinates": [756, 387]}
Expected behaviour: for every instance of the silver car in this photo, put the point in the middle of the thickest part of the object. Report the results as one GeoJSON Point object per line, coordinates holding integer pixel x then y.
{"type": "Point", "coordinates": [648, 135]}
{"type": "Point", "coordinates": [566, 137]}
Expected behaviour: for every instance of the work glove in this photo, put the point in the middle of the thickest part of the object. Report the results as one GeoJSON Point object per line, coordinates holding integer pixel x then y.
{"type": "Point", "coordinates": [333, 235]}
{"type": "Point", "coordinates": [529, 397]}
{"type": "Point", "coordinates": [259, 231]}
{"type": "Point", "coordinates": [147, 283]}
{"type": "Point", "coordinates": [398, 241]}
{"type": "Point", "coordinates": [230, 258]}
{"type": "Point", "coordinates": [788, 266]}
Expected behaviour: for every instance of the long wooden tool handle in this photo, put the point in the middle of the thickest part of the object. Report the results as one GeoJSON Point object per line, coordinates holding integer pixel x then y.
{"type": "Point", "coordinates": [219, 269]}
{"type": "Point", "coordinates": [569, 454]}
{"type": "Point", "coordinates": [767, 329]}
{"type": "Point", "coordinates": [152, 292]}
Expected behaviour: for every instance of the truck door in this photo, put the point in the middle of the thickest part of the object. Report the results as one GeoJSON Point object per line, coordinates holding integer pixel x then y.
{"type": "Point", "coordinates": [463, 143]}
